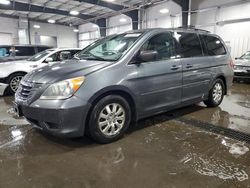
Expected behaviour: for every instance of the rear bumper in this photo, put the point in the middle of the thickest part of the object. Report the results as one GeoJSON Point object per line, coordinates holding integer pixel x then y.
{"type": "Point", "coordinates": [66, 122]}
{"type": "Point", "coordinates": [3, 87]}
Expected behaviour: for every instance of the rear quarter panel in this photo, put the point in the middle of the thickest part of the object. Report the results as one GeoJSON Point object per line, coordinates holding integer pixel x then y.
{"type": "Point", "coordinates": [221, 67]}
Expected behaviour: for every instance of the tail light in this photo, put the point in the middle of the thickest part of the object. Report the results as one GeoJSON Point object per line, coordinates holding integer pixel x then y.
{"type": "Point", "coordinates": [231, 63]}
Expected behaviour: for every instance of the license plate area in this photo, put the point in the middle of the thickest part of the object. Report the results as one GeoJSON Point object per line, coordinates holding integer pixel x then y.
{"type": "Point", "coordinates": [17, 110]}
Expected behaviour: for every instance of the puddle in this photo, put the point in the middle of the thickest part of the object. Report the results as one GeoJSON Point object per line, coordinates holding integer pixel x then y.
{"type": "Point", "coordinates": [244, 104]}
{"type": "Point", "coordinates": [151, 137]}
{"type": "Point", "coordinates": [236, 149]}
{"type": "Point", "coordinates": [209, 166]}
{"type": "Point", "coordinates": [11, 111]}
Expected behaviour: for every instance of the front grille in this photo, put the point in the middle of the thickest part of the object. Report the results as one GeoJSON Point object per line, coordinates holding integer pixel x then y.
{"type": "Point", "coordinates": [26, 91]}
{"type": "Point", "coordinates": [242, 74]}
{"type": "Point", "coordinates": [241, 67]}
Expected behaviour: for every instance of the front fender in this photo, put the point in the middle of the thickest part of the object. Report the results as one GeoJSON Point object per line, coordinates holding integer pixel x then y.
{"type": "Point", "coordinates": [112, 89]}
{"type": "Point", "coordinates": [5, 72]}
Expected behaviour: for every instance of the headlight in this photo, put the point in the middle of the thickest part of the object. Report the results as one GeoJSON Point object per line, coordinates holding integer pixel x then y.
{"type": "Point", "coordinates": [63, 89]}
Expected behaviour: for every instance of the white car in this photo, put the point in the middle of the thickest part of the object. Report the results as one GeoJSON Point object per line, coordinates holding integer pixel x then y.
{"type": "Point", "coordinates": [12, 72]}
{"type": "Point", "coordinates": [242, 67]}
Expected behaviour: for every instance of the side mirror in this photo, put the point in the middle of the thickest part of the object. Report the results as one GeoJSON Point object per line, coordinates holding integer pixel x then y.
{"type": "Point", "coordinates": [237, 58]}
{"type": "Point", "coordinates": [147, 55]}
{"type": "Point", "coordinates": [48, 60]}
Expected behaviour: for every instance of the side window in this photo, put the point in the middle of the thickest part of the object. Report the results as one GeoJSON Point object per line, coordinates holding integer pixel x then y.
{"type": "Point", "coordinates": [189, 45]}
{"type": "Point", "coordinates": [4, 51]}
{"type": "Point", "coordinates": [73, 52]}
{"type": "Point", "coordinates": [60, 56]}
{"type": "Point", "coordinates": [24, 51]}
{"type": "Point", "coordinates": [163, 44]}
{"type": "Point", "coordinates": [213, 45]}
{"type": "Point", "coordinates": [54, 56]}
{"type": "Point", "coordinates": [64, 55]}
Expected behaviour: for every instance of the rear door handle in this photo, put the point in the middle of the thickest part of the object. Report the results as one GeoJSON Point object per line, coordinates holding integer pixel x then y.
{"type": "Point", "coordinates": [188, 66]}
{"type": "Point", "coordinates": [175, 67]}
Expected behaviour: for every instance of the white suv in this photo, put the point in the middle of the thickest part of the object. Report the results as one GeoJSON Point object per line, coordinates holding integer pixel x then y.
{"type": "Point", "coordinates": [12, 72]}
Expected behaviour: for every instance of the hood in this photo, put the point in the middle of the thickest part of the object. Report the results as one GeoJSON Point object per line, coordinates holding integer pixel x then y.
{"type": "Point", "coordinates": [64, 70]}
{"type": "Point", "coordinates": [242, 62]}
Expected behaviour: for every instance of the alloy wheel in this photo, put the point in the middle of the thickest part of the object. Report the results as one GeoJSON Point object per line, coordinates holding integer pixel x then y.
{"type": "Point", "coordinates": [111, 119]}
{"type": "Point", "coordinates": [217, 92]}
{"type": "Point", "coordinates": [14, 83]}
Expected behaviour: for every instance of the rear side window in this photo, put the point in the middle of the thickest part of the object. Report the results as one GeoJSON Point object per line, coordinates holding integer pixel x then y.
{"type": "Point", "coordinates": [189, 45]}
{"type": "Point", "coordinates": [24, 51]}
{"type": "Point", "coordinates": [213, 45]}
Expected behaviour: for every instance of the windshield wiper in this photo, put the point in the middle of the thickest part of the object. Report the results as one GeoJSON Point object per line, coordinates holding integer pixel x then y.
{"type": "Point", "coordinates": [92, 57]}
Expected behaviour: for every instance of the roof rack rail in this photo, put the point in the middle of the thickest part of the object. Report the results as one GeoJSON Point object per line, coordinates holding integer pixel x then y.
{"type": "Point", "coordinates": [193, 28]}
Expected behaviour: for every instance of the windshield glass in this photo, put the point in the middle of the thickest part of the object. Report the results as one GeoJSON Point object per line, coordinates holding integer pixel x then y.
{"type": "Point", "coordinates": [245, 56]}
{"type": "Point", "coordinates": [40, 55]}
{"type": "Point", "coordinates": [109, 48]}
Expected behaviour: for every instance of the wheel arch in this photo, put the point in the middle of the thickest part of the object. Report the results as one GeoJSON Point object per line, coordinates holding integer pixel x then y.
{"type": "Point", "coordinates": [17, 72]}
{"type": "Point", "coordinates": [114, 90]}
{"type": "Point", "coordinates": [223, 78]}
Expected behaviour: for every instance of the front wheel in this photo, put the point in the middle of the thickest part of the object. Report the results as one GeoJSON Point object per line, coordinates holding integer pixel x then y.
{"type": "Point", "coordinates": [109, 119]}
{"type": "Point", "coordinates": [216, 94]}
{"type": "Point", "coordinates": [14, 81]}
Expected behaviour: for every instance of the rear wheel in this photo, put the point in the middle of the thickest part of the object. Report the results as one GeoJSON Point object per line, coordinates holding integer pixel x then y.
{"type": "Point", "coordinates": [14, 81]}
{"type": "Point", "coordinates": [109, 119]}
{"type": "Point", "coordinates": [216, 94]}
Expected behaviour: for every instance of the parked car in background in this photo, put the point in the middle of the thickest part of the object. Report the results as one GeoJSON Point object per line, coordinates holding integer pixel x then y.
{"type": "Point", "coordinates": [11, 73]}
{"type": "Point", "coordinates": [123, 78]}
{"type": "Point", "coordinates": [19, 52]}
{"type": "Point", "coordinates": [242, 67]}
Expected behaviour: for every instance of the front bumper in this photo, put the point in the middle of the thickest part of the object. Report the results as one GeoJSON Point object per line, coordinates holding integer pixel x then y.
{"type": "Point", "coordinates": [242, 74]}
{"type": "Point", "coordinates": [3, 87]}
{"type": "Point", "coordinates": [62, 118]}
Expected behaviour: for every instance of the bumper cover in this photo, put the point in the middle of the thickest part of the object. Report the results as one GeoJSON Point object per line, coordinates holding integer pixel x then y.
{"type": "Point", "coordinates": [59, 121]}
{"type": "Point", "coordinates": [3, 87]}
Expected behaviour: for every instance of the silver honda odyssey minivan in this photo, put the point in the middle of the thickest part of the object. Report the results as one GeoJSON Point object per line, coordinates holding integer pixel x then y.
{"type": "Point", "coordinates": [122, 78]}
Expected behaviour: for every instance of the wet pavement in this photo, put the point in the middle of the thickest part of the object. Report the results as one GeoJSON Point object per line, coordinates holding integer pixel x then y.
{"type": "Point", "coordinates": [191, 147]}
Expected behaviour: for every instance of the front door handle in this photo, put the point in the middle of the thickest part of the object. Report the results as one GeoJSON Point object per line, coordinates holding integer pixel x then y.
{"type": "Point", "coordinates": [188, 66]}
{"type": "Point", "coordinates": [175, 67]}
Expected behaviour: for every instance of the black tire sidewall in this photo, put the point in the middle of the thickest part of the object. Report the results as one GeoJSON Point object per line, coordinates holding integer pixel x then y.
{"type": "Point", "coordinates": [93, 127]}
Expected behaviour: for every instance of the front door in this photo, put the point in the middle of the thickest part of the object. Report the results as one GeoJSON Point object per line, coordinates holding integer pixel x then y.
{"type": "Point", "coordinates": [159, 82]}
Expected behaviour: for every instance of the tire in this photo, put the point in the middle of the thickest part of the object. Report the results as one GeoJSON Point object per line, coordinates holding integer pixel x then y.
{"type": "Point", "coordinates": [13, 81]}
{"type": "Point", "coordinates": [216, 94]}
{"type": "Point", "coordinates": [106, 124]}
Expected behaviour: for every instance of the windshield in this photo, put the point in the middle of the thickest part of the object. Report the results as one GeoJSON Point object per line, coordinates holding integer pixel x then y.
{"type": "Point", "coordinates": [109, 48]}
{"type": "Point", "coordinates": [39, 56]}
{"type": "Point", "coordinates": [245, 56]}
